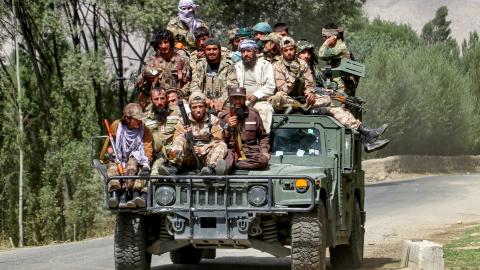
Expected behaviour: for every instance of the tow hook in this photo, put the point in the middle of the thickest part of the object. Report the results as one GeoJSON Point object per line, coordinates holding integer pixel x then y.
{"type": "Point", "coordinates": [243, 224]}
{"type": "Point", "coordinates": [178, 224]}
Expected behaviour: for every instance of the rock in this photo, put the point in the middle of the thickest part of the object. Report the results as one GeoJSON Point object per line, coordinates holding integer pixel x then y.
{"type": "Point", "coordinates": [422, 254]}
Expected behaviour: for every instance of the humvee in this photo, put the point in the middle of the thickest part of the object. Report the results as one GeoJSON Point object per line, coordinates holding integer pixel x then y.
{"type": "Point", "coordinates": [310, 198]}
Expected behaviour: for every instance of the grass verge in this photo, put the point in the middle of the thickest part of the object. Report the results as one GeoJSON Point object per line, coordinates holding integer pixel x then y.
{"type": "Point", "coordinates": [464, 252]}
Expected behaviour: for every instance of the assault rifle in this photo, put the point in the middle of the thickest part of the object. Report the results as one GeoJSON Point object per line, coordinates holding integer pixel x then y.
{"type": "Point", "coordinates": [115, 152]}
{"type": "Point", "coordinates": [189, 134]}
{"type": "Point", "coordinates": [342, 98]}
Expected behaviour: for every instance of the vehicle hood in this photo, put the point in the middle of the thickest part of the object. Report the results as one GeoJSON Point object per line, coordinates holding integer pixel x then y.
{"type": "Point", "coordinates": [290, 169]}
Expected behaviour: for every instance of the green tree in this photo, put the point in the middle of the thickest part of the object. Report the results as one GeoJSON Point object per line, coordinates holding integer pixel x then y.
{"type": "Point", "coordinates": [438, 29]}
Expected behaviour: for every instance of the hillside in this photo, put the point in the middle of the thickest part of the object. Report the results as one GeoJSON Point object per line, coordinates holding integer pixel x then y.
{"type": "Point", "coordinates": [462, 13]}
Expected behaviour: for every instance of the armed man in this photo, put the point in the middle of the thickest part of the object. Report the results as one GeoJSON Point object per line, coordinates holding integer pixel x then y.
{"type": "Point", "coordinates": [256, 75]}
{"type": "Point", "coordinates": [306, 52]}
{"type": "Point", "coordinates": [247, 140]}
{"type": "Point", "coordinates": [271, 47]}
{"type": "Point", "coordinates": [241, 34]}
{"type": "Point", "coordinates": [134, 150]}
{"type": "Point", "coordinates": [167, 67]}
{"type": "Point", "coordinates": [294, 79]}
{"type": "Point", "coordinates": [161, 120]}
{"type": "Point", "coordinates": [201, 35]}
{"type": "Point", "coordinates": [198, 140]}
{"type": "Point", "coordinates": [213, 74]}
{"type": "Point", "coordinates": [184, 24]}
{"type": "Point", "coordinates": [332, 51]}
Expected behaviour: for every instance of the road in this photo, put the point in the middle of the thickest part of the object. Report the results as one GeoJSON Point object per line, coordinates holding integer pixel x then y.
{"type": "Point", "coordinates": [409, 209]}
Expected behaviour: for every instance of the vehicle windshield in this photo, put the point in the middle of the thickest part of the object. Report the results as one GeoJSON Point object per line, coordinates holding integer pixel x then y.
{"type": "Point", "coordinates": [295, 141]}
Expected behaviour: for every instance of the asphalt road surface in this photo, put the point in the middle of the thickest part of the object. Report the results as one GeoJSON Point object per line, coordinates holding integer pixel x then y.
{"type": "Point", "coordinates": [395, 211]}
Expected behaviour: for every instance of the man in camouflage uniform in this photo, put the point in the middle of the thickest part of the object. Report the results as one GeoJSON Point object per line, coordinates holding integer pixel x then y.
{"type": "Point", "coordinates": [213, 74]}
{"type": "Point", "coordinates": [167, 67]}
{"type": "Point", "coordinates": [294, 78]}
{"type": "Point", "coordinates": [134, 146]}
{"type": "Point", "coordinates": [161, 120]}
{"type": "Point", "coordinates": [201, 35]}
{"type": "Point", "coordinates": [208, 139]}
{"type": "Point", "coordinates": [271, 47]}
{"type": "Point", "coordinates": [332, 51]}
{"type": "Point", "coordinates": [306, 52]}
{"type": "Point", "coordinates": [247, 140]}
{"type": "Point", "coordinates": [185, 23]}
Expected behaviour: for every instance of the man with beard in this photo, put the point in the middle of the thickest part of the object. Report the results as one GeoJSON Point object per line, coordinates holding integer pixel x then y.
{"type": "Point", "coordinates": [134, 147]}
{"type": "Point", "coordinates": [207, 135]}
{"type": "Point", "coordinates": [201, 35]}
{"type": "Point", "coordinates": [271, 47]}
{"type": "Point", "coordinates": [241, 34]}
{"type": "Point", "coordinates": [260, 30]}
{"type": "Point", "coordinates": [256, 75]}
{"type": "Point", "coordinates": [213, 74]}
{"type": "Point", "coordinates": [247, 140]}
{"type": "Point", "coordinates": [161, 120]}
{"type": "Point", "coordinates": [167, 67]}
{"type": "Point", "coordinates": [184, 25]}
{"type": "Point", "coordinates": [294, 79]}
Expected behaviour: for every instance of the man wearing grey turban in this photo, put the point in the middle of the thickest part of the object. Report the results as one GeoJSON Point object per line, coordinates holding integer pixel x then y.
{"type": "Point", "coordinates": [185, 24]}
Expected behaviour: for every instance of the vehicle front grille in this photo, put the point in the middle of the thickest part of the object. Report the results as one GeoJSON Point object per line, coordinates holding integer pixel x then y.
{"type": "Point", "coordinates": [213, 195]}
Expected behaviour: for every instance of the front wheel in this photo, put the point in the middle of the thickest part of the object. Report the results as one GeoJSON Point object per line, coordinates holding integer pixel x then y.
{"type": "Point", "coordinates": [308, 240]}
{"type": "Point", "coordinates": [350, 256]}
{"type": "Point", "coordinates": [130, 245]}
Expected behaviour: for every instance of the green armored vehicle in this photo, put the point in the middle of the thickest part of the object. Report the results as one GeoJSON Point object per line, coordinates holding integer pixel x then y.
{"type": "Point", "coordinates": [310, 198]}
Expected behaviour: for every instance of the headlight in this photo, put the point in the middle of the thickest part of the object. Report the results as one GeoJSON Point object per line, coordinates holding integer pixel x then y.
{"type": "Point", "coordinates": [165, 195]}
{"type": "Point", "coordinates": [257, 195]}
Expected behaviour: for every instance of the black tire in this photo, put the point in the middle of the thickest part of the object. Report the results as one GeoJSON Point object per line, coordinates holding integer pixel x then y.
{"type": "Point", "coordinates": [308, 240]}
{"type": "Point", "coordinates": [130, 245]}
{"type": "Point", "coordinates": [186, 255]}
{"type": "Point", "coordinates": [209, 253]}
{"type": "Point", "coordinates": [350, 256]}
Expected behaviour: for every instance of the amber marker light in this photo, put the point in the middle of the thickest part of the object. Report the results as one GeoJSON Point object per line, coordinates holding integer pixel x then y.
{"type": "Point", "coordinates": [301, 184]}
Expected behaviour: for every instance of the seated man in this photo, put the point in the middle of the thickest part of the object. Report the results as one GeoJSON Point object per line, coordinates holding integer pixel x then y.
{"type": "Point", "coordinates": [161, 120]}
{"type": "Point", "coordinates": [213, 74]}
{"type": "Point", "coordinates": [209, 148]}
{"type": "Point", "coordinates": [256, 75]}
{"type": "Point", "coordinates": [294, 78]}
{"type": "Point", "coordinates": [244, 134]}
{"type": "Point", "coordinates": [134, 146]}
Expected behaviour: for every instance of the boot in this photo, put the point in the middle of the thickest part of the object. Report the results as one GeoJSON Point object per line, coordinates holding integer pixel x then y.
{"type": "Point", "coordinates": [131, 203]}
{"type": "Point", "coordinates": [113, 200]}
{"type": "Point", "coordinates": [206, 171]}
{"type": "Point", "coordinates": [370, 135]}
{"type": "Point", "coordinates": [166, 169]}
{"type": "Point", "coordinates": [140, 200]}
{"type": "Point", "coordinates": [221, 167]}
{"type": "Point", "coordinates": [123, 200]}
{"type": "Point", "coordinates": [375, 146]}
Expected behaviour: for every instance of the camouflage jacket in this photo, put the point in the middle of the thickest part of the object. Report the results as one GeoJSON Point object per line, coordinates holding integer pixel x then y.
{"type": "Point", "coordinates": [207, 133]}
{"type": "Point", "coordinates": [339, 51]}
{"type": "Point", "coordinates": [181, 33]}
{"type": "Point", "coordinates": [162, 130]}
{"type": "Point", "coordinates": [294, 78]}
{"type": "Point", "coordinates": [214, 85]}
{"type": "Point", "coordinates": [161, 71]}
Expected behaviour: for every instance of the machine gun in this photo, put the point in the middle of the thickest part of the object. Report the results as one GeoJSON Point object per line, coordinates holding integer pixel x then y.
{"type": "Point", "coordinates": [189, 134]}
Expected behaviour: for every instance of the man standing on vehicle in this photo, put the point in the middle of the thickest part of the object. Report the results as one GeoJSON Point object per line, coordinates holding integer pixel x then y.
{"type": "Point", "coordinates": [209, 150]}
{"type": "Point", "coordinates": [213, 74]}
{"type": "Point", "coordinates": [134, 147]}
{"type": "Point", "coordinates": [294, 79]}
{"type": "Point", "coordinates": [167, 67]}
{"type": "Point", "coordinates": [247, 140]}
{"type": "Point", "coordinates": [161, 120]}
{"type": "Point", "coordinates": [256, 75]}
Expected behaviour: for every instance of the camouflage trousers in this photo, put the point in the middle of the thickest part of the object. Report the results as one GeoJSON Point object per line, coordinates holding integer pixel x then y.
{"type": "Point", "coordinates": [345, 117]}
{"type": "Point", "coordinates": [130, 170]}
{"type": "Point", "coordinates": [210, 157]}
{"type": "Point", "coordinates": [265, 110]}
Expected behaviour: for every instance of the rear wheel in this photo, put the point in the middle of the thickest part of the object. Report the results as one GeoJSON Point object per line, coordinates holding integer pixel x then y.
{"type": "Point", "coordinates": [350, 256]}
{"type": "Point", "coordinates": [130, 245]}
{"type": "Point", "coordinates": [308, 240]}
{"type": "Point", "coordinates": [186, 255]}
